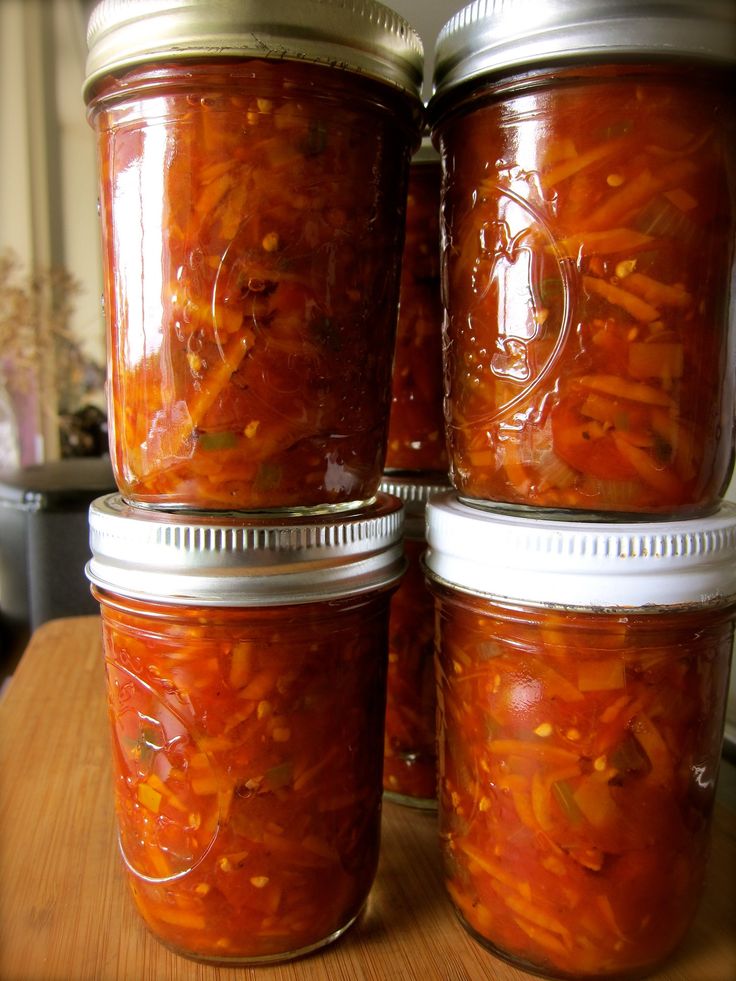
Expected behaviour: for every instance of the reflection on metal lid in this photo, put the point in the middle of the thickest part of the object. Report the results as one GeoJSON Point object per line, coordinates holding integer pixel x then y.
{"type": "Point", "coordinates": [356, 35]}
{"type": "Point", "coordinates": [490, 36]}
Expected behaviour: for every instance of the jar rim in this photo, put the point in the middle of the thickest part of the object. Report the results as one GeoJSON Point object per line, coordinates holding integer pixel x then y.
{"type": "Point", "coordinates": [216, 559]}
{"type": "Point", "coordinates": [494, 36]}
{"type": "Point", "coordinates": [360, 36]}
{"type": "Point", "coordinates": [582, 565]}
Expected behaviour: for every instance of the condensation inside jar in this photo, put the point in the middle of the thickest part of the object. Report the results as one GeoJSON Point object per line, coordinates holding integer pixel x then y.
{"type": "Point", "coordinates": [252, 219]}
{"type": "Point", "coordinates": [247, 748]}
{"type": "Point", "coordinates": [588, 261]}
{"type": "Point", "coordinates": [416, 434]}
{"type": "Point", "coordinates": [578, 757]}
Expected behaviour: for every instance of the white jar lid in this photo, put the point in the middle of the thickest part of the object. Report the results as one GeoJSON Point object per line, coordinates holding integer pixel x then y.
{"type": "Point", "coordinates": [227, 559]}
{"type": "Point", "coordinates": [582, 565]}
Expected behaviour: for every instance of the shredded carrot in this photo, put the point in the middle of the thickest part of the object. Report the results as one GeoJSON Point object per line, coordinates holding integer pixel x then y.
{"type": "Point", "coordinates": [637, 191]}
{"type": "Point", "coordinates": [601, 675]}
{"type": "Point", "coordinates": [522, 803]}
{"type": "Point", "coordinates": [653, 744]}
{"type": "Point", "coordinates": [604, 904]}
{"type": "Point", "coordinates": [620, 387]}
{"type": "Point", "coordinates": [532, 750]}
{"type": "Point", "coordinates": [655, 359]}
{"type": "Point", "coordinates": [543, 937]}
{"type": "Point", "coordinates": [205, 786]}
{"type": "Point", "coordinates": [241, 663]}
{"type": "Point", "coordinates": [539, 917]}
{"type": "Point", "coordinates": [213, 193]}
{"type": "Point", "coordinates": [158, 860]}
{"type": "Point", "coordinates": [601, 243]}
{"type": "Point", "coordinates": [656, 293]}
{"type": "Point", "coordinates": [573, 165]}
{"type": "Point", "coordinates": [515, 470]}
{"type": "Point", "coordinates": [593, 797]}
{"type": "Point", "coordinates": [680, 438]}
{"type": "Point", "coordinates": [213, 383]}
{"type": "Point", "coordinates": [498, 872]}
{"type": "Point", "coordinates": [149, 797]}
{"type": "Point", "coordinates": [610, 713]}
{"type": "Point", "coordinates": [639, 309]}
{"type": "Point", "coordinates": [681, 199]}
{"type": "Point", "coordinates": [158, 784]}
{"type": "Point", "coordinates": [180, 918]}
{"type": "Point", "coordinates": [259, 685]}
{"type": "Point", "coordinates": [555, 684]}
{"type": "Point", "coordinates": [657, 477]}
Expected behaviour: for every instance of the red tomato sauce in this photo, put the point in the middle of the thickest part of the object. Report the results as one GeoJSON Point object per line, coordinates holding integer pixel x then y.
{"type": "Point", "coordinates": [247, 749]}
{"type": "Point", "coordinates": [252, 224]}
{"type": "Point", "coordinates": [589, 249]}
{"type": "Point", "coordinates": [416, 434]}
{"type": "Point", "coordinates": [578, 760]}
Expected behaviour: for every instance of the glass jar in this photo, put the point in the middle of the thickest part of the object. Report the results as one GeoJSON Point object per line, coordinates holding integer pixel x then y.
{"type": "Point", "coordinates": [583, 671]}
{"type": "Point", "coordinates": [410, 742]}
{"type": "Point", "coordinates": [588, 227]}
{"type": "Point", "coordinates": [246, 680]}
{"type": "Point", "coordinates": [416, 429]}
{"type": "Point", "coordinates": [253, 162]}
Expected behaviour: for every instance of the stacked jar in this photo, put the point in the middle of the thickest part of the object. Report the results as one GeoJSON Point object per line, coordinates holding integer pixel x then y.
{"type": "Point", "coordinates": [253, 166]}
{"type": "Point", "coordinates": [416, 468]}
{"type": "Point", "coordinates": [584, 568]}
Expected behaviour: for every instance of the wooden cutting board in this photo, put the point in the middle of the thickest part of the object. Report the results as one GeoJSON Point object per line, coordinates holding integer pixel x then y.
{"type": "Point", "coordinates": [65, 913]}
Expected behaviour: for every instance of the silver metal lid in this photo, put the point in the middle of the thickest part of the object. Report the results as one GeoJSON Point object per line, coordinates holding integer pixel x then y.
{"type": "Point", "coordinates": [233, 560]}
{"type": "Point", "coordinates": [414, 490]}
{"type": "Point", "coordinates": [490, 36]}
{"type": "Point", "coordinates": [356, 35]}
{"type": "Point", "coordinates": [583, 565]}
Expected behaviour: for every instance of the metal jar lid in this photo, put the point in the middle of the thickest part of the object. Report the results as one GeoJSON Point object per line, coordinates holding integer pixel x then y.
{"type": "Point", "coordinates": [492, 36]}
{"type": "Point", "coordinates": [414, 491]}
{"type": "Point", "coordinates": [232, 560]}
{"type": "Point", "coordinates": [600, 566]}
{"type": "Point", "coordinates": [356, 35]}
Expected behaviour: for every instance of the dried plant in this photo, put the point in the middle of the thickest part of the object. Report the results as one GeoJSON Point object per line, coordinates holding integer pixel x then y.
{"type": "Point", "coordinates": [38, 351]}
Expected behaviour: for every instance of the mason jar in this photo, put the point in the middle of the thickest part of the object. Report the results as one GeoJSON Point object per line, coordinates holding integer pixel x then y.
{"type": "Point", "coordinates": [253, 163]}
{"type": "Point", "coordinates": [582, 679]}
{"type": "Point", "coordinates": [416, 427]}
{"type": "Point", "coordinates": [588, 219]}
{"type": "Point", "coordinates": [410, 740]}
{"type": "Point", "coordinates": [246, 683]}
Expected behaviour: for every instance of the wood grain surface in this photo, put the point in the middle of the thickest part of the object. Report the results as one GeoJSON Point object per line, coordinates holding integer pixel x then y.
{"type": "Point", "coordinates": [65, 913]}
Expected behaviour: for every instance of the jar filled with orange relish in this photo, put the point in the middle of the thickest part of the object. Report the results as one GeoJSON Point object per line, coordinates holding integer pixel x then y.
{"type": "Point", "coordinates": [416, 429]}
{"type": "Point", "coordinates": [246, 683]}
{"type": "Point", "coordinates": [589, 222]}
{"type": "Point", "coordinates": [410, 743]}
{"type": "Point", "coordinates": [582, 678]}
{"type": "Point", "coordinates": [253, 161]}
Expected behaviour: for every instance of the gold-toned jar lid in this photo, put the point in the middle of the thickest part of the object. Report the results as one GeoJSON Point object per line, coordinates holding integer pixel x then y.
{"type": "Point", "coordinates": [361, 36]}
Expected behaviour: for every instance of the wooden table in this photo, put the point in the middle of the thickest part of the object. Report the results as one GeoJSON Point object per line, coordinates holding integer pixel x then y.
{"type": "Point", "coordinates": [65, 912]}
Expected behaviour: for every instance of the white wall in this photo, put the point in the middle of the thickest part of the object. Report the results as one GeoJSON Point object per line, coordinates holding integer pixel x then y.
{"type": "Point", "coordinates": [427, 18]}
